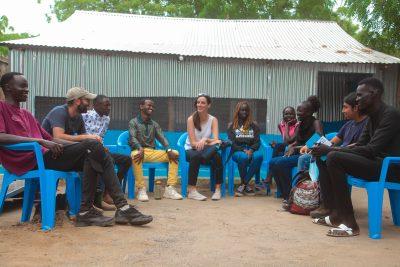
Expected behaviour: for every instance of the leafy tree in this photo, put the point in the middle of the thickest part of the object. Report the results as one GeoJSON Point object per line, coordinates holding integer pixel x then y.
{"type": "Point", "coordinates": [380, 21]}
{"type": "Point", "coordinates": [5, 27]}
{"type": "Point", "coordinates": [223, 9]}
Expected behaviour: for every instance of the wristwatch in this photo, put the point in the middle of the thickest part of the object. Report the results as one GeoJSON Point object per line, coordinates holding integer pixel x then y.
{"type": "Point", "coordinates": [169, 150]}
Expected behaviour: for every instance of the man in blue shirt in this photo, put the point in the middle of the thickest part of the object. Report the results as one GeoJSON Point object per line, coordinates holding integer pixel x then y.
{"type": "Point", "coordinates": [347, 135]}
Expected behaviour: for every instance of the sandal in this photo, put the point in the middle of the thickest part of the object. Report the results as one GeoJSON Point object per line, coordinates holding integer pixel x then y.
{"type": "Point", "coordinates": [323, 221]}
{"type": "Point", "coordinates": [342, 231]}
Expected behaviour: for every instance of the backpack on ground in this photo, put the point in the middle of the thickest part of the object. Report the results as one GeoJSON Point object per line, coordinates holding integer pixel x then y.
{"type": "Point", "coordinates": [305, 195]}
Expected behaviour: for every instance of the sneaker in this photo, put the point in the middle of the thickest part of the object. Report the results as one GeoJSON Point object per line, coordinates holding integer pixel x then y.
{"type": "Point", "coordinates": [93, 217]}
{"type": "Point", "coordinates": [170, 192]}
{"type": "Point", "coordinates": [216, 195]}
{"type": "Point", "coordinates": [240, 190]}
{"type": "Point", "coordinates": [249, 191]}
{"type": "Point", "coordinates": [142, 195]}
{"type": "Point", "coordinates": [104, 206]}
{"type": "Point", "coordinates": [194, 194]}
{"type": "Point", "coordinates": [132, 216]}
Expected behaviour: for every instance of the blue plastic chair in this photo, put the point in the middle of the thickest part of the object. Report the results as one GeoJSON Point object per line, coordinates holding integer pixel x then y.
{"type": "Point", "coordinates": [47, 179]}
{"type": "Point", "coordinates": [375, 198]}
{"type": "Point", "coordinates": [124, 148]}
{"type": "Point", "coordinates": [184, 168]}
{"type": "Point", "coordinates": [232, 166]}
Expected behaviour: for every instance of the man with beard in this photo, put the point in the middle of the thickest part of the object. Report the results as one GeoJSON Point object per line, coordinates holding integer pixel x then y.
{"type": "Point", "coordinates": [65, 121]}
{"type": "Point", "coordinates": [88, 156]}
{"type": "Point", "coordinates": [380, 138]}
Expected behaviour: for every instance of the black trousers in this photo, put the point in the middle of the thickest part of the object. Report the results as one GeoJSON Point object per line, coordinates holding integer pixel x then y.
{"type": "Point", "coordinates": [196, 158]}
{"type": "Point", "coordinates": [90, 157]}
{"type": "Point", "coordinates": [123, 163]}
{"type": "Point", "coordinates": [333, 178]}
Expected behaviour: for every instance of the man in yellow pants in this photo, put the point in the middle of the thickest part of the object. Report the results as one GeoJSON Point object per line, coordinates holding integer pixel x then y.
{"type": "Point", "coordinates": [143, 132]}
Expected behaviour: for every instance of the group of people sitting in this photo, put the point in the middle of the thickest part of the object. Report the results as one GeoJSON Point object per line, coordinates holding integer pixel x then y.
{"type": "Point", "coordinates": [71, 137]}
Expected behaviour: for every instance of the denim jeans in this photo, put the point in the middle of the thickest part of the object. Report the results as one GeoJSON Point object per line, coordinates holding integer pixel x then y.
{"type": "Point", "coordinates": [248, 167]}
{"type": "Point", "coordinates": [281, 170]}
{"type": "Point", "coordinates": [303, 163]}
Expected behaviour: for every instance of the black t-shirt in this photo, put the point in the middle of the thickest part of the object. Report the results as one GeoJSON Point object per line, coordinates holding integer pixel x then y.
{"type": "Point", "coordinates": [59, 117]}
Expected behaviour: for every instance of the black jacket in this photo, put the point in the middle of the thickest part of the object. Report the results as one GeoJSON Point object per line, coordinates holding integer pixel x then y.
{"type": "Point", "coordinates": [244, 139]}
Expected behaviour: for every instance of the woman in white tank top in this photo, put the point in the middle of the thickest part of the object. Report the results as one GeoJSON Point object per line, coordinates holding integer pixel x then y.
{"type": "Point", "coordinates": [200, 148]}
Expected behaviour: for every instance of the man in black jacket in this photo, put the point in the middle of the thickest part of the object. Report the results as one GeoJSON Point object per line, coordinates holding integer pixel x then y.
{"type": "Point", "coordinates": [381, 138]}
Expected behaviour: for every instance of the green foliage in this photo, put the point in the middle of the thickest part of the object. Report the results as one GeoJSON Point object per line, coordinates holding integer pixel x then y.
{"type": "Point", "coordinates": [4, 36]}
{"type": "Point", "coordinates": [381, 23]}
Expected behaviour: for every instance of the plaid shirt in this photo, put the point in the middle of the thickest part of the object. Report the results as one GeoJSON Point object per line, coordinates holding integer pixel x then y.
{"type": "Point", "coordinates": [143, 133]}
{"type": "Point", "coordinates": [95, 124]}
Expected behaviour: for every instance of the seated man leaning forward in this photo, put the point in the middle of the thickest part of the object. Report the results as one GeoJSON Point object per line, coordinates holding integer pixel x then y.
{"type": "Point", "coordinates": [18, 125]}
{"type": "Point", "coordinates": [97, 121]}
{"type": "Point", "coordinates": [143, 132]}
{"type": "Point", "coordinates": [380, 138]}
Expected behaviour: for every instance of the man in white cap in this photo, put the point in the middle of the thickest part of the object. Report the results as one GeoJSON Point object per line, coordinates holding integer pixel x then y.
{"type": "Point", "coordinates": [65, 121]}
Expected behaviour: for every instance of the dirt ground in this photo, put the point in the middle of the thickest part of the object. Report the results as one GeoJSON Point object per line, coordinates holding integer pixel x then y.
{"type": "Point", "coordinates": [234, 231]}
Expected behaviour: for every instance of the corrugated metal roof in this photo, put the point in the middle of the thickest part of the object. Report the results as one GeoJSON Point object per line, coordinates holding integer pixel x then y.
{"type": "Point", "coordinates": [295, 40]}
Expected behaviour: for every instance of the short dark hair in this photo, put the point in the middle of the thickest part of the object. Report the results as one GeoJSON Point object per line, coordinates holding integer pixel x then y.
{"type": "Point", "coordinates": [99, 99]}
{"type": "Point", "coordinates": [7, 77]}
{"type": "Point", "coordinates": [374, 83]}
{"type": "Point", "coordinates": [143, 101]}
{"type": "Point", "coordinates": [350, 99]}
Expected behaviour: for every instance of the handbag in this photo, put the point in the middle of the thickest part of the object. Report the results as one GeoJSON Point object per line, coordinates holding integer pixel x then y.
{"type": "Point", "coordinates": [305, 196]}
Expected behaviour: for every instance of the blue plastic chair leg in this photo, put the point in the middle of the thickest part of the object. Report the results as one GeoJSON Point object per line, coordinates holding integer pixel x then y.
{"type": "Point", "coordinates": [152, 176]}
{"type": "Point", "coordinates": [394, 196]}
{"type": "Point", "coordinates": [48, 196]}
{"type": "Point", "coordinates": [231, 178]}
{"type": "Point", "coordinates": [223, 185]}
{"type": "Point", "coordinates": [73, 192]}
{"type": "Point", "coordinates": [375, 201]}
{"type": "Point", "coordinates": [4, 187]}
{"type": "Point", "coordinates": [131, 184]}
{"type": "Point", "coordinates": [184, 179]}
{"type": "Point", "coordinates": [30, 187]}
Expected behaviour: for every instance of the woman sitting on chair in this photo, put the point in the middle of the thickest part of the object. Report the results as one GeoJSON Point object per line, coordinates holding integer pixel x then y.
{"type": "Point", "coordinates": [281, 167]}
{"type": "Point", "coordinates": [245, 136]}
{"type": "Point", "coordinates": [201, 147]}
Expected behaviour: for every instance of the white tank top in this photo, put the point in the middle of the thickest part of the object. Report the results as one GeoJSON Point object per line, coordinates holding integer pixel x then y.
{"type": "Point", "coordinates": [204, 133]}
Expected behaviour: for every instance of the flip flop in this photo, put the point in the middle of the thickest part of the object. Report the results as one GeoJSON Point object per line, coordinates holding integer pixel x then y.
{"type": "Point", "coordinates": [342, 231]}
{"type": "Point", "coordinates": [323, 221]}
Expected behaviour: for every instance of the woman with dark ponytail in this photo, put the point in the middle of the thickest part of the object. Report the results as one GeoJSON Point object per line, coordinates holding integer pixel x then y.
{"type": "Point", "coordinates": [281, 167]}
{"type": "Point", "coordinates": [201, 145]}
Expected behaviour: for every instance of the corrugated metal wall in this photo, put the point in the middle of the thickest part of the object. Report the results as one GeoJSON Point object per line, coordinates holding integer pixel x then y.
{"type": "Point", "coordinates": [53, 72]}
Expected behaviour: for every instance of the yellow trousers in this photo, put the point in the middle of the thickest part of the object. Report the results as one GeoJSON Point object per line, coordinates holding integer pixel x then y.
{"type": "Point", "coordinates": [153, 155]}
